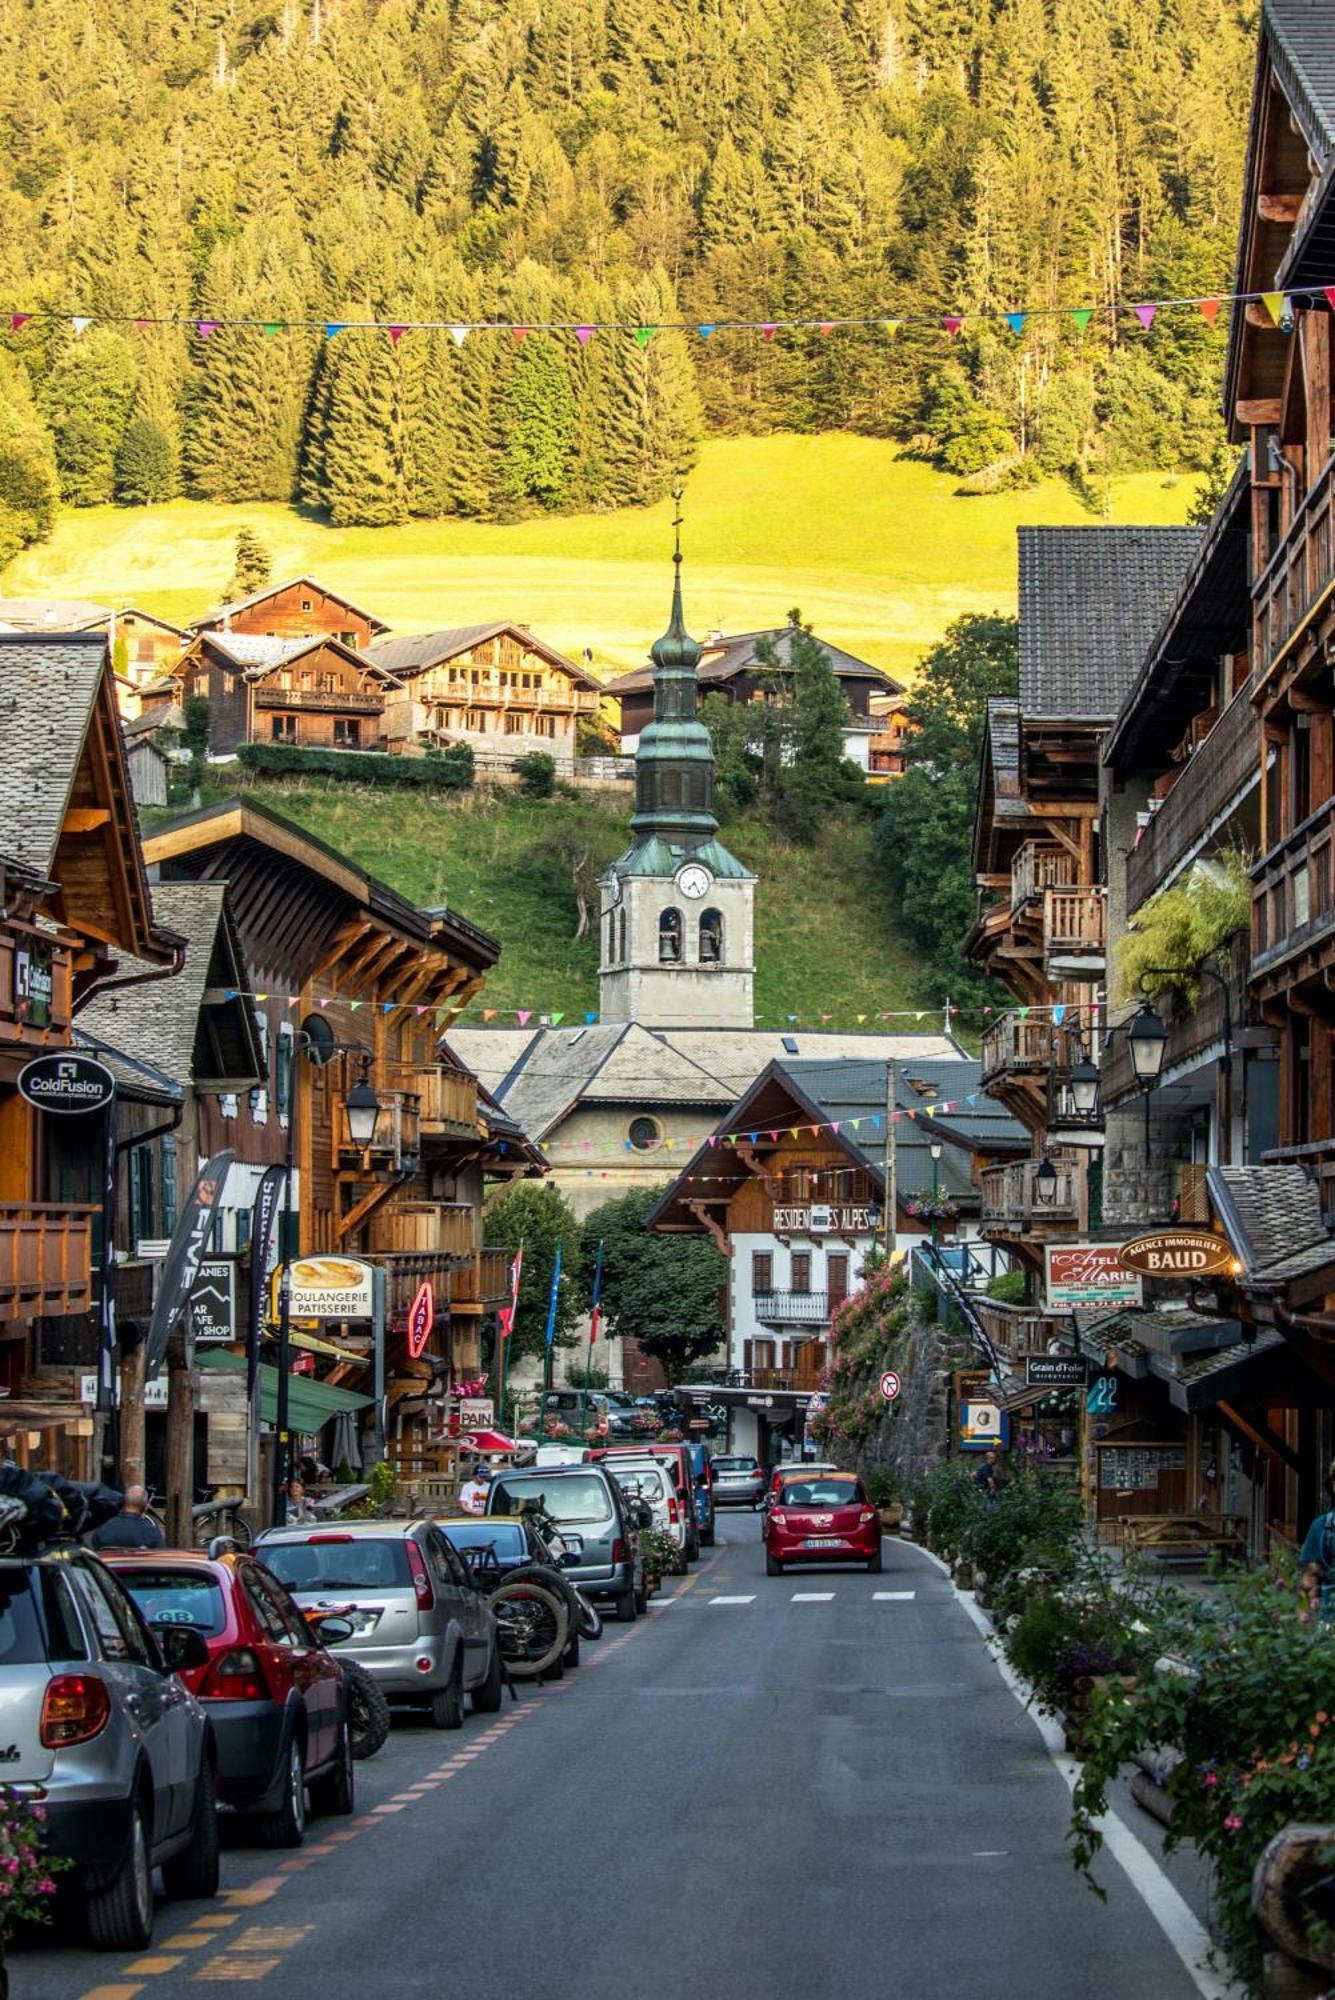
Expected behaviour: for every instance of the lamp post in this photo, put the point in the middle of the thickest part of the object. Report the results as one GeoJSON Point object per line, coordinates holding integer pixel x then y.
{"type": "Point", "coordinates": [1224, 1110]}
{"type": "Point", "coordinates": [315, 1041]}
{"type": "Point", "coordinates": [1146, 1037]}
{"type": "Point", "coordinates": [935, 1150]}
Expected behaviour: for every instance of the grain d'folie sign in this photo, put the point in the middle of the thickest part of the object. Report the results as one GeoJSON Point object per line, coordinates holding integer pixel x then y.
{"type": "Point", "coordinates": [1178, 1253]}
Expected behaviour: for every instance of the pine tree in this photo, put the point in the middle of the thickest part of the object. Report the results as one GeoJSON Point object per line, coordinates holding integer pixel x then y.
{"type": "Point", "coordinates": [367, 434]}
{"type": "Point", "coordinates": [86, 401]}
{"type": "Point", "coordinates": [29, 483]}
{"type": "Point", "coordinates": [253, 566]}
{"type": "Point", "coordinates": [145, 463]}
{"type": "Point", "coordinates": [811, 777]}
{"type": "Point", "coordinates": [537, 424]}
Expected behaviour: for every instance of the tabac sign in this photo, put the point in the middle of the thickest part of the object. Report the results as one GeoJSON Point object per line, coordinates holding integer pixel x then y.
{"type": "Point", "coordinates": [1179, 1253]}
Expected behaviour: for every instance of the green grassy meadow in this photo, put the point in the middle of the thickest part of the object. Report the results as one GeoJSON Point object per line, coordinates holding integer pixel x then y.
{"type": "Point", "coordinates": [878, 551]}
{"type": "Point", "coordinates": [505, 863]}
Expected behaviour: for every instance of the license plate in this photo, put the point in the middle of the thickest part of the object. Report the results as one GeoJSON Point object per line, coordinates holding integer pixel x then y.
{"type": "Point", "coordinates": [824, 1542]}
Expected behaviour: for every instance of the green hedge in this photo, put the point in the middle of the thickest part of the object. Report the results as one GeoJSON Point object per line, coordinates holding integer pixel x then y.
{"type": "Point", "coordinates": [438, 771]}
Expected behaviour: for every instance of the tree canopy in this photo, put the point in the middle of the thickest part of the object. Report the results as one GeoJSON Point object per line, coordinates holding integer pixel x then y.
{"type": "Point", "coordinates": [663, 1291]}
{"type": "Point", "coordinates": [537, 1214]}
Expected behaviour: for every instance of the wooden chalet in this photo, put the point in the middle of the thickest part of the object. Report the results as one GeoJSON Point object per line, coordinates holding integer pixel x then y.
{"type": "Point", "coordinates": [76, 918]}
{"type": "Point", "coordinates": [320, 937]}
{"type": "Point", "coordinates": [315, 692]}
{"type": "Point", "coordinates": [1090, 601]}
{"type": "Point", "coordinates": [297, 609]}
{"type": "Point", "coordinates": [496, 687]}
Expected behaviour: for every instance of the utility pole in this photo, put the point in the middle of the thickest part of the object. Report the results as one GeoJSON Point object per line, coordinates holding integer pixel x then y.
{"type": "Point", "coordinates": [888, 1168]}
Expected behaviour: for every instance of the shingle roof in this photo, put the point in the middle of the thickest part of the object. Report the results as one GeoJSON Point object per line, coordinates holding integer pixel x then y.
{"type": "Point", "coordinates": [1272, 1217]}
{"type": "Point", "coordinates": [414, 654]}
{"type": "Point", "coordinates": [1302, 36]}
{"type": "Point", "coordinates": [728, 656]}
{"type": "Point", "coordinates": [1091, 600]}
{"type": "Point", "coordinates": [222, 611]}
{"type": "Point", "coordinates": [258, 649]}
{"type": "Point", "coordinates": [48, 685]}
{"type": "Point", "coordinates": [50, 614]}
{"type": "Point", "coordinates": [850, 1089]}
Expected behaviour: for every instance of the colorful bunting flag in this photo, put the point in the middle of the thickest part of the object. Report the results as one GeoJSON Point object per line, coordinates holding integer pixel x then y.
{"type": "Point", "coordinates": [396, 334]}
{"type": "Point", "coordinates": [333, 327]}
{"type": "Point", "coordinates": [1145, 314]}
{"type": "Point", "coordinates": [644, 334]}
{"type": "Point", "coordinates": [1274, 305]}
{"type": "Point", "coordinates": [1015, 321]}
{"type": "Point", "coordinates": [205, 327]}
{"type": "Point", "coordinates": [1082, 315]}
{"type": "Point", "coordinates": [705, 331]}
{"type": "Point", "coordinates": [81, 323]}
{"type": "Point", "coordinates": [459, 334]}
{"type": "Point", "coordinates": [952, 323]}
{"type": "Point", "coordinates": [826, 326]}
{"type": "Point", "coordinates": [768, 331]}
{"type": "Point", "coordinates": [584, 334]}
{"type": "Point", "coordinates": [16, 320]}
{"type": "Point", "coordinates": [273, 326]}
{"type": "Point", "coordinates": [518, 333]}
{"type": "Point", "coordinates": [1208, 309]}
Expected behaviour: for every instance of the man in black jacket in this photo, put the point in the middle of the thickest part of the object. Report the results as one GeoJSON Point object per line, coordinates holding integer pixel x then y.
{"type": "Point", "coordinates": [131, 1528]}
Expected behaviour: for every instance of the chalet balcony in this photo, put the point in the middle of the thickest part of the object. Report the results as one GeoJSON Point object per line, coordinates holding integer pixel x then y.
{"type": "Point", "coordinates": [1075, 931]}
{"type": "Point", "coordinates": [1015, 1330]}
{"type": "Point", "coordinates": [441, 1229]}
{"type": "Point", "coordinates": [483, 1283]}
{"type": "Point", "coordinates": [581, 701]}
{"type": "Point", "coordinates": [397, 1144]}
{"type": "Point", "coordinates": [1193, 1032]}
{"type": "Point", "coordinates": [808, 1309]}
{"type": "Point", "coordinates": [330, 700]}
{"type": "Point", "coordinates": [1297, 576]}
{"type": "Point", "coordinates": [806, 1376]}
{"type": "Point", "coordinates": [447, 1102]}
{"type": "Point", "coordinates": [1011, 1197]}
{"type": "Point", "coordinates": [1038, 866]}
{"type": "Point", "coordinates": [46, 1253]}
{"type": "Point", "coordinates": [1215, 782]}
{"type": "Point", "coordinates": [1025, 1045]}
{"type": "Point", "coordinates": [1292, 905]}
{"type": "Point", "coordinates": [405, 1273]}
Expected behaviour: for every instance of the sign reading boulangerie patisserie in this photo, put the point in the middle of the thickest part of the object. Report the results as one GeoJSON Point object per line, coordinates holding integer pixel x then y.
{"type": "Point", "coordinates": [1080, 1277]}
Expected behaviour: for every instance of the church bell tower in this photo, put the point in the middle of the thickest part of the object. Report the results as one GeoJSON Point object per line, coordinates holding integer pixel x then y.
{"type": "Point", "coordinates": [677, 918]}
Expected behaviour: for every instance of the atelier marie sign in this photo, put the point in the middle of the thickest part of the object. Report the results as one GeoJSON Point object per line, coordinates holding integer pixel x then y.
{"type": "Point", "coordinates": [1178, 1253]}
{"type": "Point", "coordinates": [832, 1219]}
{"type": "Point", "coordinates": [1081, 1275]}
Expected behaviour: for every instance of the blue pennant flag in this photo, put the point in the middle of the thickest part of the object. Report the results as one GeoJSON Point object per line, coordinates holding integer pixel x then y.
{"type": "Point", "coordinates": [551, 1302]}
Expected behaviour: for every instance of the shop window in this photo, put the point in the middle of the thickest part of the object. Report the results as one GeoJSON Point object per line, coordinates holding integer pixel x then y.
{"type": "Point", "coordinates": [284, 728]}
{"type": "Point", "coordinates": [143, 1216]}
{"type": "Point", "coordinates": [711, 937]}
{"type": "Point", "coordinates": [168, 1183]}
{"type": "Point", "coordinates": [669, 938]}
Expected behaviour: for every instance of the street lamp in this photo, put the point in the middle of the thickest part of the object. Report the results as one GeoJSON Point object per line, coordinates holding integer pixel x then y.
{"type": "Point", "coordinates": [363, 1109]}
{"type": "Point", "coordinates": [935, 1150]}
{"type": "Point", "coordinates": [1083, 1082]}
{"type": "Point", "coordinates": [1045, 1183]}
{"type": "Point", "coordinates": [1146, 1036]}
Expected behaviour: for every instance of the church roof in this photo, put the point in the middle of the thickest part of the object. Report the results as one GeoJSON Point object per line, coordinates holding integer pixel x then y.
{"type": "Point", "coordinates": [659, 857]}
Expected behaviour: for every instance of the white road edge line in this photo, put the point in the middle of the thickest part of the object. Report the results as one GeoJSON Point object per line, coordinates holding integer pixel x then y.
{"type": "Point", "coordinates": [1169, 1908]}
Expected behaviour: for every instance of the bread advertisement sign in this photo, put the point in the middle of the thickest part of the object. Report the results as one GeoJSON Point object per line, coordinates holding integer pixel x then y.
{"type": "Point", "coordinates": [329, 1288]}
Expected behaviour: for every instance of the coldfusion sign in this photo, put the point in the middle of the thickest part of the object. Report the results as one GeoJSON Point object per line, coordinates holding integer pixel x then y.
{"type": "Point", "coordinates": [67, 1083]}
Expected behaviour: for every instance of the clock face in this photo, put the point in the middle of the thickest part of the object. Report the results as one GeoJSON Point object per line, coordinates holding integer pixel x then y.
{"type": "Point", "coordinates": [694, 880]}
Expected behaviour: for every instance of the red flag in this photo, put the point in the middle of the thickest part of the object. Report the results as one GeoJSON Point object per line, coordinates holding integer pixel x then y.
{"type": "Point", "coordinates": [506, 1315]}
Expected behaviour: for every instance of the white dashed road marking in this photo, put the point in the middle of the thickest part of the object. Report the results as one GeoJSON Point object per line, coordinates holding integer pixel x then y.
{"type": "Point", "coordinates": [733, 1600]}
{"type": "Point", "coordinates": [892, 1596]}
{"type": "Point", "coordinates": [811, 1597]}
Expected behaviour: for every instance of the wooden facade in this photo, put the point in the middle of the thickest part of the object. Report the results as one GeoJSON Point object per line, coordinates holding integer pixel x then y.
{"type": "Point", "coordinates": [298, 609]}
{"type": "Point", "coordinates": [497, 688]}
{"type": "Point", "coordinates": [320, 694]}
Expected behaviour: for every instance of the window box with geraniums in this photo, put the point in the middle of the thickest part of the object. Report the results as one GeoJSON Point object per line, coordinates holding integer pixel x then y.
{"type": "Point", "coordinates": [27, 1872]}
{"type": "Point", "coordinates": [932, 1208]}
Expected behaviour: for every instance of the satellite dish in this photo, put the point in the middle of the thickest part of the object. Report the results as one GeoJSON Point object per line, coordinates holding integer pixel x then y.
{"type": "Point", "coordinates": [320, 1044]}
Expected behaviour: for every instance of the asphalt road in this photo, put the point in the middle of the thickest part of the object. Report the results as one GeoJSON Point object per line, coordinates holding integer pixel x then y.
{"type": "Point", "coordinates": [810, 1792]}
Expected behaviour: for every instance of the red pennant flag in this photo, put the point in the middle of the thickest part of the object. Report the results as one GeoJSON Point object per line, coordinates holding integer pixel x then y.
{"type": "Point", "coordinates": [827, 326]}
{"type": "Point", "coordinates": [952, 323]}
{"type": "Point", "coordinates": [396, 334]}
{"type": "Point", "coordinates": [16, 320]}
{"type": "Point", "coordinates": [768, 332]}
{"type": "Point", "coordinates": [1208, 309]}
{"type": "Point", "coordinates": [1330, 296]}
{"type": "Point", "coordinates": [520, 332]}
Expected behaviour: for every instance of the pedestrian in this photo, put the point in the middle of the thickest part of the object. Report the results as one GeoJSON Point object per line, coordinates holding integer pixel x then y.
{"type": "Point", "coordinates": [473, 1492]}
{"type": "Point", "coordinates": [988, 1476]}
{"type": "Point", "coordinates": [298, 1508]}
{"type": "Point", "coordinates": [1317, 1558]}
{"type": "Point", "coordinates": [131, 1528]}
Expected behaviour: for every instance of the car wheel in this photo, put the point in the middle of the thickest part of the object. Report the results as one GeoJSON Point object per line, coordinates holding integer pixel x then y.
{"type": "Point", "coordinates": [772, 1567]}
{"type": "Point", "coordinates": [876, 1565]}
{"type": "Point", "coordinates": [707, 1537]}
{"type": "Point", "coordinates": [447, 1703]}
{"type": "Point", "coordinates": [335, 1791]}
{"type": "Point", "coordinates": [287, 1826]}
{"type": "Point", "coordinates": [627, 1609]}
{"type": "Point", "coordinates": [570, 1657]}
{"type": "Point", "coordinates": [368, 1712]}
{"type": "Point", "coordinates": [490, 1693]}
{"type": "Point", "coordinates": [679, 1563]}
{"type": "Point", "coordinates": [194, 1871]}
{"type": "Point", "coordinates": [120, 1915]}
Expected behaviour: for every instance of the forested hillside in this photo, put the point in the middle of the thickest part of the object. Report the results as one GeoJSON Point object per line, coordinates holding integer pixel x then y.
{"type": "Point", "coordinates": [638, 161]}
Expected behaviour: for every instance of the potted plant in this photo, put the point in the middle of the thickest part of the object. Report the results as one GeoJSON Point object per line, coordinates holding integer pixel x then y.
{"type": "Point", "coordinates": [27, 1874]}
{"type": "Point", "coordinates": [883, 1492]}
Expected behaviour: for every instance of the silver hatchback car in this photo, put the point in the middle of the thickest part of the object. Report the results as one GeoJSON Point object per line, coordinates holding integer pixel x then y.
{"type": "Point", "coordinates": [96, 1728]}
{"type": "Point", "coordinates": [420, 1627]}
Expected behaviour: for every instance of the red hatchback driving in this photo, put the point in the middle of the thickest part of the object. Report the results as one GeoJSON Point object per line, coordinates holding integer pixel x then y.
{"type": "Point", "coordinates": [821, 1517]}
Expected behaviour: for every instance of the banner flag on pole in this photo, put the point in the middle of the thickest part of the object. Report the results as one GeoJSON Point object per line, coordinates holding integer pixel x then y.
{"type": "Point", "coordinates": [506, 1315]}
{"type": "Point", "coordinates": [550, 1334]}
{"type": "Point", "coordinates": [596, 1304]}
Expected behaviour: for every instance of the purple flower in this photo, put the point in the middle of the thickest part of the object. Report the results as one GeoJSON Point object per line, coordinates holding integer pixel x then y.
{"type": "Point", "coordinates": [1232, 1823]}
{"type": "Point", "coordinates": [46, 1887]}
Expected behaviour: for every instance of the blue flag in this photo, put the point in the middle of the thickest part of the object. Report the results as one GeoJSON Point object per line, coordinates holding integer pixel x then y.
{"type": "Point", "coordinates": [551, 1303]}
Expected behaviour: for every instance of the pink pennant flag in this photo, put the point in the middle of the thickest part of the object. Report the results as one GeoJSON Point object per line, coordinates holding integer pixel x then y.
{"type": "Point", "coordinates": [524, 1016]}
{"type": "Point", "coordinates": [1145, 314]}
{"type": "Point", "coordinates": [16, 320]}
{"type": "Point", "coordinates": [324, 1003]}
{"type": "Point", "coordinates": [1330, 296]}
{"type": "Point", "coordinates": [1208, 309]}
{"type": "Point", "coordinates": [952, 323]}
{"type": "Point", "coordinates": [396, 334]}
{"type": "Point", "coordinates": [827, 326]}
{"type": "Point", "coordinates": [768, 332]}
{"type": "Point", "coordinates": [420, 1012]}
{"type": "Point", "coordinates": [835, 1126]}
{"type": "Point", "coordinates": [584, 334]}
{"type": "Point", "coordinates": [142, 325]}
{"type": "Point", "coordinates": [204, 327]}
{"type": "Point", "coordinates": [774, 1138]}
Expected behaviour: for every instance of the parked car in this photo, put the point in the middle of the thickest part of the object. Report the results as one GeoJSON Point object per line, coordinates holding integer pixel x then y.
{"type": "Point", "coordinates": [788, 1468]}
{"type": "Point", "coordinates": [702, 1469]}
{"type": "Point", "coordinates": [649, 1479]}
{"type": "Point", "coordinates": [596, 1525]}
{"type": "Point", "coordinates": [678, 1456]}
{"type": "Point", "coordinates": [821, 1517]}
{"type": "Point", "coordinates": [738, 1482]}
{"type": "Point", "coordinates": [97, 1724]}
{"type": "Point", "coordinates": [419, 1627]}
{"type": "Point", "coordinates": [583, 1409]}
{"type": "Point", "coordinates": [275, 1694]}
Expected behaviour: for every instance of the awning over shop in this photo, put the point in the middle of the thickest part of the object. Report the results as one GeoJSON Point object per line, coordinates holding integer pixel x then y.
{"type": "Point", "coordinates": [310, 1404]}
{"type": "Point", "coordinates": [1017, 1394]}
{"type": "Point", "coordinates": [483, 1441]}
{"type": "Point", "coordinates": [1232, 1374]}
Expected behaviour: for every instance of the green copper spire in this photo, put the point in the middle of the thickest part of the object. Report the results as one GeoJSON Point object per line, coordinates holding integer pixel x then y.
{"type": "Point", "coordinates": [674, 764]}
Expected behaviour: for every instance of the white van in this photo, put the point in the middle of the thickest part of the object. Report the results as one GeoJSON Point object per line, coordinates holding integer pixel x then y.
{"type": "Point", "coordinates": [649, 1479]}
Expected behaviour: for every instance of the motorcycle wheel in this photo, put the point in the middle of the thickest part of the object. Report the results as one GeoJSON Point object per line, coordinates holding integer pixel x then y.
{"type": "Point", "coordinates": [368, 1712]}
{"type": "Point", "coordinates": [532, 1624]}
{"type": "Point", "coordinates": [590, 1623]}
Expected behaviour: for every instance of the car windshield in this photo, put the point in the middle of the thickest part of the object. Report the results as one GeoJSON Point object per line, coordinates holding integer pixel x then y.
{"type": "Point", "coordinates": [650, 1480]}
{"type": "Point", "coordinates": [335, 1565]}
{"type": "Point", "coordinates": [820, 1493]}
{"type": "Point", "coordinates": [574, 1497]}
{"type": "Point", "coordinates": [177, 1597]}
{"type": "Point", "coordinates": [22, 1643]}
{"type": "Point", "coordinates": [505, 1537]}
{"type": "Point", "coordinates": [735, 1465]}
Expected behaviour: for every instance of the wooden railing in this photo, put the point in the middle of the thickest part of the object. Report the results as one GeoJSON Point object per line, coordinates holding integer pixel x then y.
{"type": "Point", "coordinates": [1014, 1330]}
{"type": "Point", "coordinates": [1292, 900]}
{"type": "Point", "coordinates": [426, 1228]}
{"type": "Point", "coordinates": [1037, 866]}
{"type": "Point", "coordinates": [461, 694]}
{"type": "Point", "coordinates": [1297, 575]}
{"type": "Point", "coordinates": [1010, 1194]}
{"type": "Point", "coordinates": [45, 1258]}
{"type": "Point", "coordinates": [397, 1142]}
{"type": "Point", "coordinates": [448, 1101]}
{"type": "Point", "coordinates": [1029, 1042]}
{"type": "Point", "coordinates": [1075, 924]}
{"type": "Point", "coordinates": [807, 1375]}
{"type": "Point", "coordinates": [485, 1282]}
{"type": "Point", "coordinates": [1217, 776]}
{"type": "Point", "coordinates": [320, 698]}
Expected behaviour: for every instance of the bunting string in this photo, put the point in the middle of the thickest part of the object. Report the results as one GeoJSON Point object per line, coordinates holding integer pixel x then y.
{"type": "Point", "coordinates": [1279, 306]}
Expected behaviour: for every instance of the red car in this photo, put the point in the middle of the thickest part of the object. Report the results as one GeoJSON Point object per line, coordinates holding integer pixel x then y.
{"type": "Point", "coordinates": [821, 1517]}
{"type": "Point", "coordinates": [276, 1698]}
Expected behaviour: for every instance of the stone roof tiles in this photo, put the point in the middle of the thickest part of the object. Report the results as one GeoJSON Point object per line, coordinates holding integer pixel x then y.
{"type": "Point", "coordinates": [1091, 600]}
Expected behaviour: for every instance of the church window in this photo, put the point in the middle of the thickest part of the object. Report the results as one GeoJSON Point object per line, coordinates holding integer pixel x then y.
{"type": "Point", "coordinates": [669, 938]}
{"type": "Point", "coordinates": [621, 954]}
{"type": "Point", "coordinates": [644, 1134]}
{"type": "Point", "coordinates": [611, 935]}
{"type": "Point", "coordinates": [711, 937]}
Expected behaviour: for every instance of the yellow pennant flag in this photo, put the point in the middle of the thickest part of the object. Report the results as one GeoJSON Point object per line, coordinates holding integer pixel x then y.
{"type": "Point", "coordinates": [1274, 304]}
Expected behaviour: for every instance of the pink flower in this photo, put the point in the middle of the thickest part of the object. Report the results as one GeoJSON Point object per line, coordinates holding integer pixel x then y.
{"type": "Point", "coordinates": [46, 1887]}
{"type": "Point", "coordinates": [1233, 1824]}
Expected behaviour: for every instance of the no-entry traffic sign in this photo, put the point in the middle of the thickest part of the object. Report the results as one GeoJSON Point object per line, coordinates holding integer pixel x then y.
{"type": "Point", "coordinates": [889, 1385]}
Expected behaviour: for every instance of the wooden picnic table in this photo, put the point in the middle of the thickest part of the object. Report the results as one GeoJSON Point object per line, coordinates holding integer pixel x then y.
{"type": "Point", "coordinates": [1186, 1534]}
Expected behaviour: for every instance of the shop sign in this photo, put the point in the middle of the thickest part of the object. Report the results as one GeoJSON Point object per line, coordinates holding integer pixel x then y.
{"type": "Point", "coordinates": [983, 1425]}
{"type": "Point", "coordinates": [326, 1288]}
{"type": "Point", "coordinates": [34, 982]}
{"type": "Point", "coordinates": [213, 1303]}
{"type": "Point", "coordinates": [421, 1319]}
{"type": "Point", "coordinates": [804, 1219]}
{"type": "Point", "coordinates": [67, 1084]}
{"type": "Point", "coordinates": [1054, 1371]}
{"type": "Point", "coordinates": [1082, 1276]}
{"type": "Point", "coordinates": [1179, 1253]}
{"type": "Point", "coordinates": [477, 1413]}
{"type": "Point", "coordinates": [155, 1392]}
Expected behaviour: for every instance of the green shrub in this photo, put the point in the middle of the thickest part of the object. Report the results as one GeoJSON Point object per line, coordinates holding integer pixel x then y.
{"type": "Point", "coordinates": [1007, 1288]}
{"type": "Point", "coordinates": [882, 1486]}
{"type": "Point", "coordinates": [439, 771]}
{"type": "Point", "coordinates": [536, 772]}
{"type": "Point", "coordinates": [1182, 926]}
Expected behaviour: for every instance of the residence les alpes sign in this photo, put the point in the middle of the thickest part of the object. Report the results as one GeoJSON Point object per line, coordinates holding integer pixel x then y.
{"type": "Point", "coordinates": [67, 1083]}
{"type": "Point", "coordinates": [1178, 1253]}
